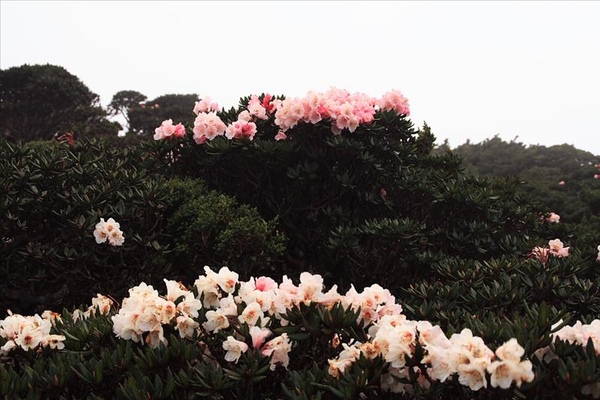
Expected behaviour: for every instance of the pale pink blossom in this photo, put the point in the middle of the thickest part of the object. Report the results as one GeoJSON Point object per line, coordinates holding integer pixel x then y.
{"type": "Point", "coordinates": [208, 126]}
{"type": "Point", "coordinates": [280, 136]}
{"type": "Point", "coordinates": [256, 108]}
{"type": "Point", "coordinates": [394, 100]}
{"type": "Point", "coordinates": [553, 218]}
{"type": "Point", "coordinates": [167, 130]}
{"type": "Point", "coordinates": [258, 336]}
{"type": "Point", "coordinates": [241, 129]}
{"type": "Point", "coordinates": [265, 284]}
{"type": "Point", "coordinates": [205, 105]}
{"type": "Point", "coordinates": [557, 248]}
{"type": "Point", "coordinates": [562, 183]}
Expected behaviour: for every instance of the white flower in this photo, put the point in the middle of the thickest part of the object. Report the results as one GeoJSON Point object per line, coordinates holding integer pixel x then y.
{"type": "Point", "coordinates": [186, 326]}
{"type": "Point", "coordinates": [251, 314]}
{"type": "Point", "coordinates": [503, 373]}
{"type": "Point", "coordinates": [109, 230]}
{"type": "Point", "coordinates": [215, 321]}
{"type": "Point", "coordinates": [278, 349]}
{"type": "Point", "coordinates": [234, 348]}
{"type": "Point", "coordinates": [227, 279]}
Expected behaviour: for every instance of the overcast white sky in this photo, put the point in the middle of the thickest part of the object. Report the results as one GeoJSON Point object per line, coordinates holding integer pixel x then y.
{"type": "Point", "coordinates": [471, 70]}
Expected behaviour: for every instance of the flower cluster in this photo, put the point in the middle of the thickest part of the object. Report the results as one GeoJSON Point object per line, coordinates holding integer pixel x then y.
{"type": "Point", "coordinates": [109, 230]}
{"type": "Point", "coordinates": [555, 248]}
{"type": "Point", "coordinates": [598, 258]}
{"type": "Point", "coordinates": [29, 332]}
{"type": "Point", "coordinates": [101, 305]}
{"type": "Point", "coordinates": [394, 338]}
{"type": "Point", "coordinates": [168, 131]}
{"type": "Point", "coordinates": [341, 108]}
{"type": "Point", "coordinates": [578, 334]}
{"type": "Point", "coordinates": [144, 312]}
{"type": "Point", "coordinates": [261, 305]}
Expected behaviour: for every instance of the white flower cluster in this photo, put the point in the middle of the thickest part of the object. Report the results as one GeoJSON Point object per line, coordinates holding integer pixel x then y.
{"type": "Point", "coordinates": [394, 338]}
{"type": "Point", "coordinates": [598, 258]}
{"type": "Point", "coordinates": [100, 304]}
{"type": "Point", "coordinates": [29, 332]}
{"type": "Point", "coordinates": [109, 230]}
{"type": "Point", "coordinates": [578, 334]}
{"type": "Point", "coordinates": [144, 312]}
{"type": "Point", "coordinates": [262, 301]}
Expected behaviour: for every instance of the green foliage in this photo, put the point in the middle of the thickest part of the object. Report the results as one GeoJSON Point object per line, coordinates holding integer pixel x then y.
{"type": "Point", "coordinates": [540, 169]}
{"type": "Point", "coordinates": [54, 194]}
{"type": "Point", "coordinates": [212, 229]}
{"type": "Point", "coordinates": [38, 102]}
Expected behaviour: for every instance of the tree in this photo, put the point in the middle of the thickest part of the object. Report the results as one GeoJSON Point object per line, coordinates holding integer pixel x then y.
{"type": "Point", "coordinates": [42, 101]}
{"type": "Point", "coordinates": [124, 101]}
{"type": "Point", "coordinates": [145, 118]}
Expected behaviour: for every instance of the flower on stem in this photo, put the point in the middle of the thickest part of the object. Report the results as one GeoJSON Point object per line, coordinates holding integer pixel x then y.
{"type": "Point", "coordinates": [234, 349]}
{"type": "Point", "coordinates": [109, 230]}
{"type": "Point", "coordinates": [168, 131]}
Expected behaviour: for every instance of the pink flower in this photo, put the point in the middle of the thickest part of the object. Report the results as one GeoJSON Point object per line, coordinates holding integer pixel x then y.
{"type": "Point", "coordinates": [167, 130]}
{"type": "Point", "coordinates": [241, 129]}
{"type": "Point", "coordinates": [562, 183]}
{"type": "Point", "coordinates": [540, 253]}
{"type": "Point", "coordinates": [557, 248]}
{"type": "Point", "coordinates": [256, 108]}
{"type": "Point", "coordinates": [208, 126]}
{"type": "Point", "coordinates": [394, 100]}
{"type": "Point", "coordinates": [553, 218]}
{"type": "Point", "coordinates": [597, 176]}
{"type": "Point", "coordinates": [258, 336]}
{"type": "Point", "coordinates": [205, 105]}
{"type": "Point", "coordinates": [265, 284]}
{"type": "Point", "coordinates": [280, 136]}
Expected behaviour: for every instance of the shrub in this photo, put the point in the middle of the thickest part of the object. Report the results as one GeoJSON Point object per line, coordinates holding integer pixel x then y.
{"type": "Point", "coordinates": [316, 344]}
{"type": "Point", "coordinates": [359, 202]}
{"type": "Point", "coordinates": [54, 195]}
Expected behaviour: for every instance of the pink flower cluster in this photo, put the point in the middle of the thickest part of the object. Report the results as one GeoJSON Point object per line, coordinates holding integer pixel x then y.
{"type": "Point", "coordinates": [109, 230]}
{"type": "Point", "coordinates": [341, 108]}
{"type": "Point", "coordinates": [168, 131]}
{"type": "Point", "coordinates": [555, 248]}
{"type": "Point", "coordinates": [28, 333]}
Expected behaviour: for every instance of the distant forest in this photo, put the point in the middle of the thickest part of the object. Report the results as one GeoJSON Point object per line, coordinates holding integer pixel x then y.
{"type": "Point", "coordinates": [562, 178]}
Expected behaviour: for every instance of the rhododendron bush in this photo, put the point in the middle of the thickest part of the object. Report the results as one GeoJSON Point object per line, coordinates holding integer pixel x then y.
{"type": "Point", "coordinates": [356, 264]}
{"type": "Point", "coordinates": [353, 184]}
{"type": "Point", "coordinates": [253, 331]}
